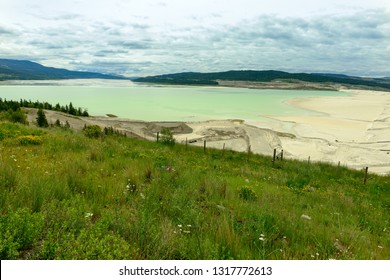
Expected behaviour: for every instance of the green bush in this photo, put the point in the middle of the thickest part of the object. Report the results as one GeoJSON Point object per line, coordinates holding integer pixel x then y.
{"type": "Point", "coordinates": [30, 140]}
{"type": "Point", "coordinates": [17, 116]}
{"type": "Point", "coordinates": [167, 137]}
{"type": "Point", "coordinates": [41, 119]}
{"type": "Point", "coordinates": [247, 193]}
{"type": "Point", "coordinates": [92, 131]}
{"type": "Point", "coordinates": [19, 231]}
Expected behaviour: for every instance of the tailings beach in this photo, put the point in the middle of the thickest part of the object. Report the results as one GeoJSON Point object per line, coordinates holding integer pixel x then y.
{"type": "Point", "coordinates": [352, 130]}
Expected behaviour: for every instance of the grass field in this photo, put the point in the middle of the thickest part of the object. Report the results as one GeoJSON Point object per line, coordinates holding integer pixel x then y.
{"type": "Point", "coordinates": [66, 196]}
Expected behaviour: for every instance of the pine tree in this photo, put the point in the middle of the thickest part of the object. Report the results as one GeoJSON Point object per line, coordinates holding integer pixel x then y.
{"type": "Point", "coordinates": [41, 119]}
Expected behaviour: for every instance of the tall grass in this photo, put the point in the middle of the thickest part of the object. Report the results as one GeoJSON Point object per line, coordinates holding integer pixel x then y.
{"type": "Point", "coordinates": [72, 197]}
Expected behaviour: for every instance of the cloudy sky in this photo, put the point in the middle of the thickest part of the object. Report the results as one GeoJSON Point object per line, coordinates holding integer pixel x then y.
{"type": "Point", "coordinates": [147, 37]}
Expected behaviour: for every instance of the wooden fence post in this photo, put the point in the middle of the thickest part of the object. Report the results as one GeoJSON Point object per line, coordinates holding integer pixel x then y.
{"type": "Point", "coordinates": [158, 136]}
{"type": "Point", "coordinates": [281, 155]}
{"type": "Point", "coordinates": [308, 160]}
{"type": "Point", "coordinates": [274, 158]}
{"type": "Point", "coordinates": [365, 175]}
{"type": "Point", "coordinates": [204, 145]}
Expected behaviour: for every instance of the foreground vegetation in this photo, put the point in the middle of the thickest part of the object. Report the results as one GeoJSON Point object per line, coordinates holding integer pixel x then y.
{"type": "Point", "coordinates": [67, 196]}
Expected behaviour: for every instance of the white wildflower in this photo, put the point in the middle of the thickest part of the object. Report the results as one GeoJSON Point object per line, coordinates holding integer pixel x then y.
{"type": "Point", "coordinates": [142, 195]}
{"type": "Point", "coordinates": [88, 215]}
{"type": "Point", "coordinates": [306, 217]}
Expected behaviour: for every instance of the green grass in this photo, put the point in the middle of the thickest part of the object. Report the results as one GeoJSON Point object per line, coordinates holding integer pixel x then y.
{"type": "Point", "coordinates": [73, 197]}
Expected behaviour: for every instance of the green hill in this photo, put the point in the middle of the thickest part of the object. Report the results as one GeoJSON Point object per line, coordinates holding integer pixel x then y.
{"type": "Point", "coordinates": [66, 196]}
{"type": "Point", "coordinates": [11, 69]}
{"type": "Point", "coordinates": [266, 78]}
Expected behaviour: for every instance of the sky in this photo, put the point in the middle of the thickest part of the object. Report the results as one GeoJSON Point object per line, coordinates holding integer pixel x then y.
{"type": "Point", "coordinates": [148, 37]}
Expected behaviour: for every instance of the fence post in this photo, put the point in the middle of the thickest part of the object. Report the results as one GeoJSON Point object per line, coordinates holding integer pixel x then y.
{"type": "Point", "coordinates": [158, 136]}
{"type": "Point", "coordinates": [308, 160]}
{"type": "Point", "coordinates": [365, 175]}
{"type": "Point", "coordinates": [281, 155]}
{"type": "Point", "coordinates": [204, 145]}
{"type": "Point", "coordinates": [274, 158]}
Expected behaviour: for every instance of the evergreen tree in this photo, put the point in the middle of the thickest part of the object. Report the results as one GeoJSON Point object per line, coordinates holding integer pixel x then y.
{"type": "Point", "coordinates": [41, 118]}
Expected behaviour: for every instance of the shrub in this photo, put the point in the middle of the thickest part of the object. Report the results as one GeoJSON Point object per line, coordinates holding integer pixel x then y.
{"type": "Point", "coordinates": [41, 119]}
{"type": "Point", "coordinates": [58, 123]}
{"type": "Point", "coordinates": [30, 140]}
{"type": "Point", "coordinates": [17, 116]}
{"type": "Point", "coordinates": [21, 230]}
{"type": "Point", "coordinates": [167, 137]}
{"type": "Point", "coordinates": [247, 193]}
{"type": "Point", "coordinates": [92, 131]}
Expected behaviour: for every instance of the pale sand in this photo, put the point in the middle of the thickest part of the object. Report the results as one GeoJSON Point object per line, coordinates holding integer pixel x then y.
{"type": "Point", "coordinates": [353, 130]}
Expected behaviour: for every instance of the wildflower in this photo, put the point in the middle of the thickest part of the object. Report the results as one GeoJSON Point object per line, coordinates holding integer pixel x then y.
{"type": "Point", "coordinates": [306, 217]}
{"type": "Point", "coordinates": [189, 226]}
{"type": "Point", "coordinates": [130, 187]}
{"type": "Point", "coordinates": [142, 195]}
{"type": "Point", "coordinates": [186, 231]}
{"type": "Point", "coordinates": [179, 226]}
{"type": "Point", "coordinates": [380, 247]}
{"type": "Point", "coordinates": [88, 215]}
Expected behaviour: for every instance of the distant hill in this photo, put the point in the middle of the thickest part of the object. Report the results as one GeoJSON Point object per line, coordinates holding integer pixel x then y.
{"type": "Point", "coordinates": [269, 79]}
{"type": "Point", "coordinates": [11, 69]}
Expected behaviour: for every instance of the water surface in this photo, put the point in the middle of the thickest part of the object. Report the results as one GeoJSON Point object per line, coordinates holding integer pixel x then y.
{"type": "Point", "coordinates": [163, 103]}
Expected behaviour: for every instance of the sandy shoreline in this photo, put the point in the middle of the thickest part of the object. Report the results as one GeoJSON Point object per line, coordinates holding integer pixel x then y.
{"type": "Point", "coordinates": [353, 130]}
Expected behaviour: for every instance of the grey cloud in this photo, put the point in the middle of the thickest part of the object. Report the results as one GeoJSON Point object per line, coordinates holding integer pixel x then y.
{"type": "Point", "coordinates": [111, 66]}
{"type": "Point", "coordinates": [132, 45]}
{"type": "Point", "coordinates": [351, 44]}
{"type": "Point", "coordinates": [6, 31]}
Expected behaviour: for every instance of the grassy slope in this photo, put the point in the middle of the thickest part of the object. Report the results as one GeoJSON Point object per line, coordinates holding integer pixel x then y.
{"type": "Point", "coordinates": [71, 197]}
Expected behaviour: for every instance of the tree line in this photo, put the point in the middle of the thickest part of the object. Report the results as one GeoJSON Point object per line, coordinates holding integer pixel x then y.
{"type": "Point", "coordinates": [11, 110]}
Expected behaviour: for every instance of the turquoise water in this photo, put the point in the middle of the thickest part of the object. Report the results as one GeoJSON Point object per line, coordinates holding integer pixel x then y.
{"type": "Point", "coordinates": [154, 103]}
